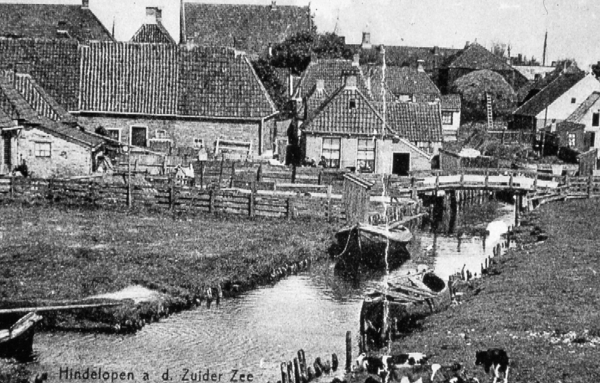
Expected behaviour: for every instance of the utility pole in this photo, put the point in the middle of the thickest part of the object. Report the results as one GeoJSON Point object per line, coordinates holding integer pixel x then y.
{"type": "Point", "coordinates": [545, 46]}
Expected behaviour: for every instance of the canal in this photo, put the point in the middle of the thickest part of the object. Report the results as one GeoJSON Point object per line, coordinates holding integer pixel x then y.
{"type": "Point", "coordinates": [254, 332]}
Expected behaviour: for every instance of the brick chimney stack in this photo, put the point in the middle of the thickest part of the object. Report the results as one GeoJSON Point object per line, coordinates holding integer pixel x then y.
{"type": "Point", "coordinates": [420, 66]}
{"type": "Point", "coordinates": [366, 41]}
{"type": "Point", "coordinates": [85, 4]}
{"type": "Point", "coordinates": [153, 15]}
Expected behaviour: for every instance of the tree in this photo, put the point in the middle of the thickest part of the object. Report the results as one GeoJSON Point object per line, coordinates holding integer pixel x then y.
{"type": "Point", "coordinates": [596, 69]}
{"type": "Point", "coordinates": [272, 82]}
{"type": "Point", "coordinates": [296, 51]}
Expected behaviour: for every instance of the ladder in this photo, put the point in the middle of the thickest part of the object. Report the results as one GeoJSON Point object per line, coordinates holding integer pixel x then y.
{"type": "Point", "coordinates": [490, 117]}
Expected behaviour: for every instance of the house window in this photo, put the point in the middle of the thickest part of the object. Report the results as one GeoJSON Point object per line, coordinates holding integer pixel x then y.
{"type": "Point", "coordinates": [596, 119]}
{"type": "Point", "coordinates": [198, 142]}
{"type": "Point", "coordinates": [160, 134]}
{"type": "Point", "coordinates": [42, 149]}
{"type": "Point", "coordinates": [366, 155]}
{"type": "Point", "coordinates": [139, 136]}
{"type": "Point", "coordinates": [115, 134]}
{"type": "Point", "coordinates": [331, 152]}
{"type": "Point", "coordinates": [571, 140]}
{"type": "Point", "coordinates": [352, 104]}
{"type": "Point", "coordinates": [592, 139]}
{"type": "Point", "coordinates": [447, 118]}
{"type": "Point", "coordinates": [573, 100]}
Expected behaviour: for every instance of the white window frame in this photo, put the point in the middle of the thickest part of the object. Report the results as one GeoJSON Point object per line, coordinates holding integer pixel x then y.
{"type": "Point", "coordinates": [160, 134]}
{"type": "Point", "coordinates": [448, 113]}
{"type": "Point", "coordinates": [118, 130]}
{"type": "Point", "coordinates": [137, 126]}
{"type": "Point", "coordinates": [571, 139]}
{"type": "Point", "coordinates": [37, 151]}
{"type": "Point", "coordinates": [198, 142]}
{"type": "Point", "coordinates": [358, 151]}
{"type": "Point", "coordinates": [339, 158]}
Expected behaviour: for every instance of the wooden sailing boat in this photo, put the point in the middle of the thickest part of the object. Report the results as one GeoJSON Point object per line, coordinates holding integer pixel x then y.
{"type": "Point", "coordinates": [17, 340]}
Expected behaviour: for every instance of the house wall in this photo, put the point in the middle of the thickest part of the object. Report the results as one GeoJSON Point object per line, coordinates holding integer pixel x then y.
{"type": "Point", "coordinates": [384, 150]}
{"type": "Point", "coordinates": [66, 158]}
{"type": "Point", "coordinates": [562, 108]}
{"type": "Point", "coordinates": [183, 132]}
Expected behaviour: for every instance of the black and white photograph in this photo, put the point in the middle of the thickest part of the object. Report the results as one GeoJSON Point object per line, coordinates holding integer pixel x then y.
{"type": "Point", "coordinates": [295, 191]}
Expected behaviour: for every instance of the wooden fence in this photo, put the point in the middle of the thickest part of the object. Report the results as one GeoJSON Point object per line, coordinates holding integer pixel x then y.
{"type": "Point", "coordinates": [158, 193]}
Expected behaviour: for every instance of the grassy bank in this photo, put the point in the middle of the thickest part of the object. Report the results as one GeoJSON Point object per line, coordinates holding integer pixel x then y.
{"type": "Point", "coordinates": [50, 254]}
{"type": "Point", "coordinates": [540, 303]}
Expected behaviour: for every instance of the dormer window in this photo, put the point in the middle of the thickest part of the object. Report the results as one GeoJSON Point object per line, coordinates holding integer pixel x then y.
{"type": "Point", "coordinates": [573, 100]}
{"type": "Point", "coordinates": [352, 104]}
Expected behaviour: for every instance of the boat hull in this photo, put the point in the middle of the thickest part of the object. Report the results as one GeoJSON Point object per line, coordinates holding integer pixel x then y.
{"type": "Point", "coordinates": [17, 342]}
{"type": "Point", "coordinates": [362, 249]}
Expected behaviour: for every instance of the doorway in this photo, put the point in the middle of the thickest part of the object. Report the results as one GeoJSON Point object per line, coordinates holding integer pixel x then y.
{"type": "Point", "coordinates": [7, 157]}
{"type": "Point", "coordinates": [401, 164]}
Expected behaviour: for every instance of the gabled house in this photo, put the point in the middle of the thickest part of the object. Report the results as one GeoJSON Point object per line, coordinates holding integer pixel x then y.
{"type": "Point", "coordinates": [556, 101]}
{"type": "Point", "coordinates": [582, 127]}
{"type": "Point", "coordinates": [473, 58]}
{"type": "Point", "coordinates": [153, 30]}
{"type": "Point", "coordinates": [47, 147]}
{"type": "Point", "coordinates": [251, 28]}
{"type": "Point", "coordinates": [52, 21]}
{"type": "Point", "coordinates": [348, 131]}
{"type": "Point", "coordinates": [149, 95]}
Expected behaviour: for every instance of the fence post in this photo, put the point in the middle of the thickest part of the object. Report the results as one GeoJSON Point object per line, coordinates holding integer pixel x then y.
{"type": "Point", "coordinates": [329, 212]}
{"type": "Point", "coordinates": [232, 174]}
{"type": "Point", "coordinates": [259, 175]}
{"type": "Point", "coordinates": [211, 201]}
{"type": "Point", "coordinates": [348, 350]}
{"type": "Point", "coordinates": [462, 178]}
{"type": "Point", "coordinates": [12, 186]}
{"type": "Point", "coordinates": [290, 209]}
{"type": "Point", "coordinates": [252, 211]}
{"type": "Point", "coordinates": [510, 181]}
{"type": "Point", "coordinates": [201, 174]}
{"type": "Point", "coordinates": [535, 182]}
{"type": "Point", "coordinates": [172, 192]}
{"type": "Point", "coordinates": [320, 180]}
{"type": "Point", "coordinates": [590, 185]}
{"type": "Point", "coordinates": [437, 183]}
{"type": "Point", "coordinates": [221, 171]}
{"type": "Point", "coordinates": [293, 174]}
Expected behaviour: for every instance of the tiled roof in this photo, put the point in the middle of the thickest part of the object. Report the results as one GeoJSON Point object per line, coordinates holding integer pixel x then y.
{"type": "Point", "coordinates": [451, 102]}
{"type": "Point", "coordinates": [152, 33]}
{"type": "Point", "coordinates": [331, 71]}
{"type": "Point", "coordinates": [433, 57]}
{"type": "Point", "coordinates": [45, 20]}
{"type": "Point", "coordinates": [73, 134]}
{"type": "Point", "coordinates": [54, 64]}
{"type": "Point", "coordinates": [582, 109]}
{"type": "Point", "coordinates": [416, 121]}
{"type": "Point", "coordinates": [549, 94]}
{"type": "Point", "coordinates": [477, 57]}
{"type": "Point", "coordinates": [161, 79]}
{"type": "Point", "coordinates": [14, 104]}
{"type": "Point", "coordinates": [399, 81]}
{"type": "Point", "coordinates": [37, 97]}
{"type": "Point", "coordinates": [336, 116]}
{"type": "Point", "coordinates": [568, 126]}
{"type": "Point", "coordinates": [314, 99]}
{"type": "Point", "coordinates": [246, 27]}
{"type": "Point", "coordinates": [5, 120]}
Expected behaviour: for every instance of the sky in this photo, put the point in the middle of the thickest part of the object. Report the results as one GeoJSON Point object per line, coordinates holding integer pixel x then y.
{"type": "Point", "coordinates": [572, 25]}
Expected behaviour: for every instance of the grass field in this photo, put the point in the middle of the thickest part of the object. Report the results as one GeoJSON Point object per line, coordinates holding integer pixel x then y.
{"type": "Point", "coordinates": [541, 304]}
{"type": "Point", "coordinates": [52, 253]}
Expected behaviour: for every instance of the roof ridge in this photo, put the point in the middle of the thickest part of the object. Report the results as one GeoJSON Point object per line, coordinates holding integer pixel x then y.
{"type": "Point", "coordinates": [544, 89]}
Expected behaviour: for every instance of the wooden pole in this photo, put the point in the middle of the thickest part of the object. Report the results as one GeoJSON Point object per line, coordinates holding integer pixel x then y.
{"type": "Point", "coordinates": [290, 209]}
{"type": "Point", "coordinates": [172, 192]}
{"type": "Point", "coordinates": [297, 373]}
{"type": "Point", "coordinates": [590, 185]}
{"type": "Point", "coordinates": [129, 202]}
{"type": "Point", "coordinates": [290, 371]}
{"type": "Point", "coordinates": [348, 350]}
{"type": "Point", "coordinates": [232, 174]}
{"type": "Point", "coordinates": [201, 174]}
{"type": "Point", "coordinates": [303, 369]}
{"type": "Point", "coordinates": [211, 201]}
{"type": "Point", "coordinates": [329, 212]}
{"type": "Point", "coordinates": [284, 375]}
{"type": "Point", "coordinates": [251, 209]}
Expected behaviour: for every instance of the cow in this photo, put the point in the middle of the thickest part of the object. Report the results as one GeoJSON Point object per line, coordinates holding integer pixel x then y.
{"type": "Point", "coordinates": [497, 359]}
{"type": "Point", "coordinates": [431, 373]}
{"type": "Point", "coordinates": [371, 364]}
{"type": "Point", "coordinates": [405, 360]}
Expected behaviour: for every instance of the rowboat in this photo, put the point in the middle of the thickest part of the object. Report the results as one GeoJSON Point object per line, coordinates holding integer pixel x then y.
{"type": "Point", "coordinates": [373, 246]}
{"type": "Point", "coordinates": [17, 341]}
{"type": "Point", "coordinates": [386, 312]}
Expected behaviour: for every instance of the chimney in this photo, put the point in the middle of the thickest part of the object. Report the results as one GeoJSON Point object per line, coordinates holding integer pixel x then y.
{"type": "Point", "coordinates": [182, 33]}
{"type": "Point", "coordinates": [273, 5]}
{"type": "Point", "coordinates": [290, 83]}
{"type": "Point", "coordinates": [366, 40]}
{"type": "Point", "coordinates": [467, 44]}
{"type": "Point", "coordinates": [436, 50]}
{"type": "Point", "coordinates": [85, 4]}
{"type": "Point", "coordinates": [420, 67]}
{"type": "Point", "coordinates": [356, 60]}
{"type": "Point", "coordinates": [153, 15]}
{"type": "Point", "coordinates": [350, 79]}
{"type": "Point", "coordinates": [320, 85]}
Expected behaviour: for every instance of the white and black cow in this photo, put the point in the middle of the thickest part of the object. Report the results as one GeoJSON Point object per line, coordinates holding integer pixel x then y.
{"type": "Point", "coordinates": [372, 364]}
{"type": "Point", "coordinates": [405, 360]}
{"type": "Point", "coordinates": [496, 359]}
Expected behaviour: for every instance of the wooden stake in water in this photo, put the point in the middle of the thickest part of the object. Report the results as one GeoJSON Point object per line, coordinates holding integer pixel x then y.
{"type": "Point", "coordinates": [348, 350]}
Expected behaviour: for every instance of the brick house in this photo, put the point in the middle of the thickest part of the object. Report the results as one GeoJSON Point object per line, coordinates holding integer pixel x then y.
{"type": "Point", "coordinates": [158, 96]}
{"type": "Point", "coordinates": [348, 131]}
{"type": "Point", "coordinates": [51, 21]}
{"type": "Point", "coordinates": [556, 101]}
{"type": "Point", "coordinates": [35, 132]}
{"type": "Point", "coordinates": [251, 28]}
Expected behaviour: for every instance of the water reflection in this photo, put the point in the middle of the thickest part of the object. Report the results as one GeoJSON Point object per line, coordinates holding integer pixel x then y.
{"type": "Point", "coordinates": [257, 330]}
